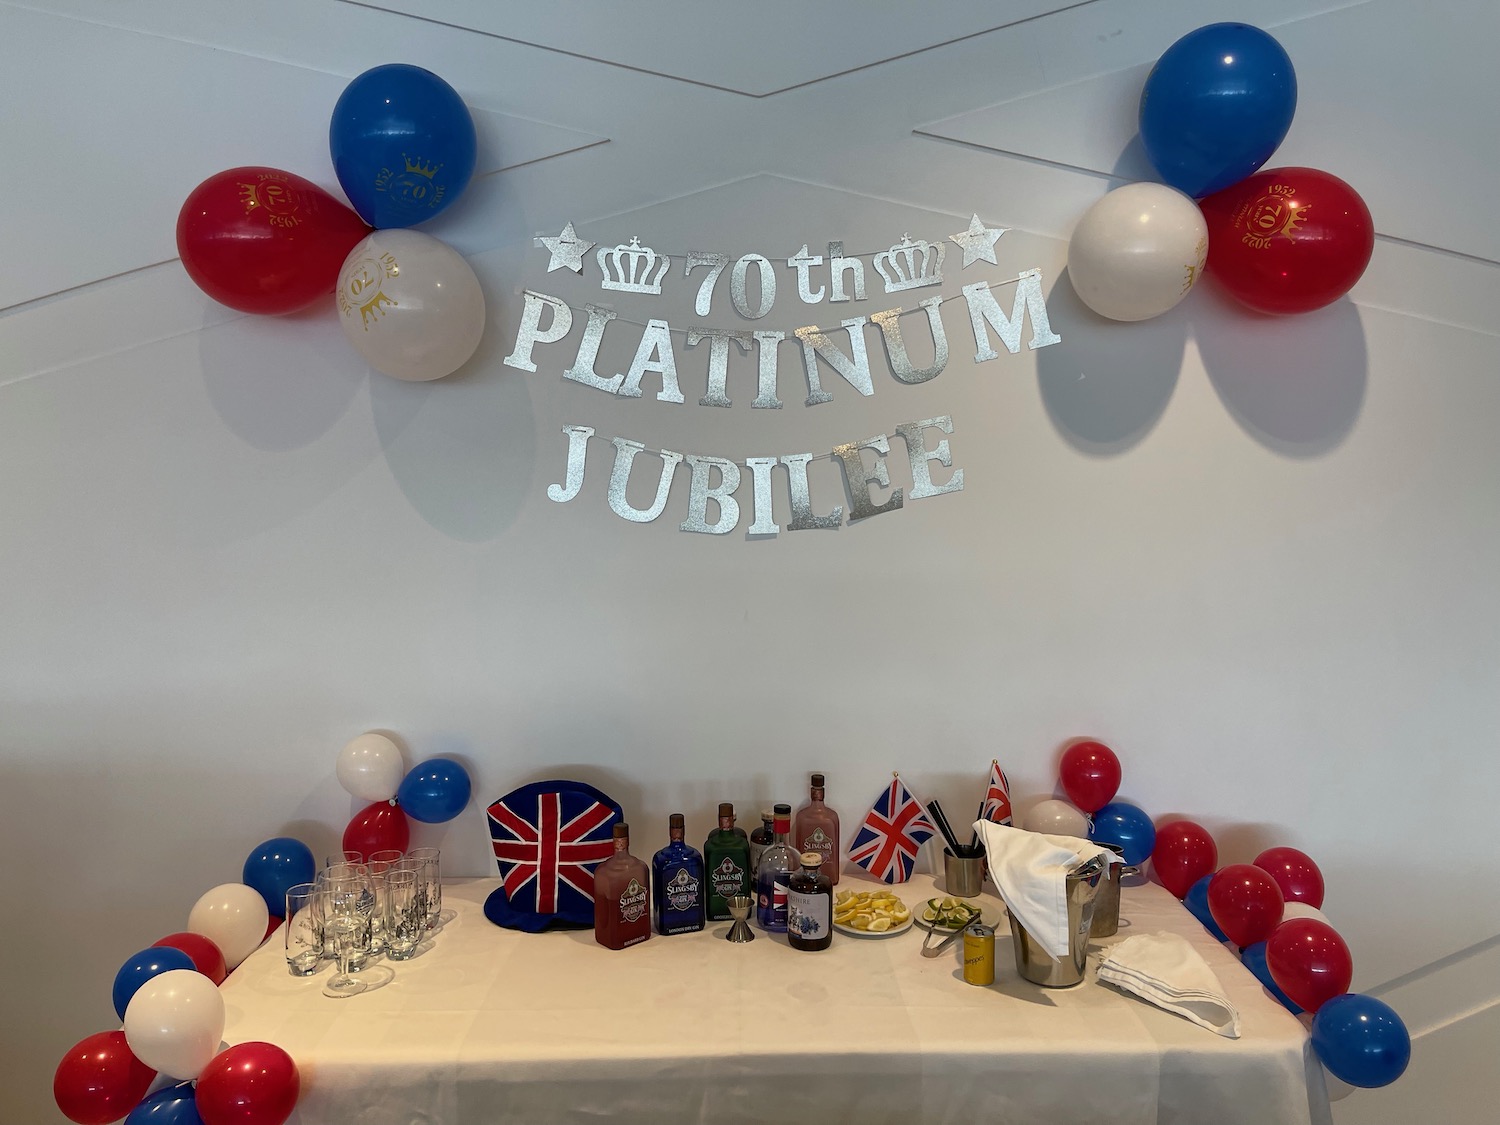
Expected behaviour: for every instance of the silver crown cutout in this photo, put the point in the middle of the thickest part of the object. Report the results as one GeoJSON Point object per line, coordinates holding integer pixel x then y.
{"type": "Point", "coordinates": [632, 267]}
{"type": "Point", "coordinates": [910, 265]}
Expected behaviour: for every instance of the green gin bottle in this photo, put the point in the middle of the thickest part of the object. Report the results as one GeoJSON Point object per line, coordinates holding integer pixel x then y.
{"type": "Point", "coordinates": [726, 855]}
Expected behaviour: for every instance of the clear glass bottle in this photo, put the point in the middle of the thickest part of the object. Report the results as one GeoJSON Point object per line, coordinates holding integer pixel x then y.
{"type": "Point", "coordinates": [809, 906]}
{"type": "Point", "coordinates": [776, 867]}
{"type": "Point", "coordinates": [726, 854]}
{"type": "Point", "coordinates": [761, 839]}
{"type": "Point", "coordinates": [817, 830]}
{"type": "Point", "coordinates": [677, 883]}
{"type": "Point", "coordinates": [622, 898]}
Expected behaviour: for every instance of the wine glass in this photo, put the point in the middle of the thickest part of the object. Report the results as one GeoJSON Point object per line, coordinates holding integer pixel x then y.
{"type": "Point", "coordinates": [344, 929]}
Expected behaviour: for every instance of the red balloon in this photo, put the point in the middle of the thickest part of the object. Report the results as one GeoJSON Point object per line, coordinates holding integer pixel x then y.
{"type": "Point", "coordinates": [1090, 775]}
{"type": "Point", "coordinates": [249, 1084]}
{"type": "Point", "coordinates": [1246, 903]}
{"type": "Point", "coordinates": [1288, 240]}
{"type": "Point", "coordinates": [1295, 873]}
{"type": "Point", "coordinates": [208, 959]}
{"type": "Point", "coordinates": [265, 241]}
{"type": "Point", "coordinates": [273, 923]}
{"type": "Point", "coordinates": [99, 1080]}
{"type": "Point", "coordinates": [377, 827]}
{"type": "Point", "coordinates": [1309, 962]}
{"type": "Point", "coordinates": [1183, 854]}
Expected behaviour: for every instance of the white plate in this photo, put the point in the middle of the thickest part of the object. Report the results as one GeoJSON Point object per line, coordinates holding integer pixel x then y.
{"type": "Point", "coordinates": [901, 928]}
{"type": "Point", "coordinates": [990, 913]}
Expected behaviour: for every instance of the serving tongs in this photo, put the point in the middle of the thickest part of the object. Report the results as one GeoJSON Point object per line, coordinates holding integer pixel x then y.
{"type": "Point", "coordinates": [930, 950]}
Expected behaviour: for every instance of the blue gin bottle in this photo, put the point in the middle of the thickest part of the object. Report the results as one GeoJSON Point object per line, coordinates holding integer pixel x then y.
{"type": "Point", "coordinates": [677, 889]}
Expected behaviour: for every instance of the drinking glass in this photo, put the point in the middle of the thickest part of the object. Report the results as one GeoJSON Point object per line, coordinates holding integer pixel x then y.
{"type": "Point", "coordinates": [425, 862]}
{"type": "Point", "coordinates": [385, 855]}
{"type": "Point", "coordinates": [344, 925]}
{"type": "Point", "coordinates": [406, 914]}
{"type": "Point", "coordinates": [343, 857]}
{"type": "Point", "coordinates": [353, 880]}
{"type": "Point", "coordinates": [304, 930]}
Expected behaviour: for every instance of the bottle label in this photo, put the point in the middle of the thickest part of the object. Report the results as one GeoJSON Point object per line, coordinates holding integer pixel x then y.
{"type": "Point", "coordinates": [728, 878]}
{"type": "Point", "coordinates": [820, 842]}
{"type": "Point", "coordinates": [682, 891]}
{"type": "Point", "coordinates": [633, 902]}
{"type": "Point", "coordinates": [809, 915]}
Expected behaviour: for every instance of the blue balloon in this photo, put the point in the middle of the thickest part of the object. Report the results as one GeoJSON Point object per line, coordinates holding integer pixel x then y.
{"type": "Point", "coordinates": [1216, 105]}
{"type": "Point", "coordinates": [1254, 958]}
{"type": "Point", "coordinates": [1196, 900]}
{"type": "Point", "coordinates": [403, 145]}
{"type": "Point", "coordinates": [141, 967]}
{"type": "Point", "coordinates": [1361, 1040]}
{"type": "Point", "coordinates": [1127, 826]}
{"type": "Point", "coordinates": [171, 1105]}
{"type": "Point", "coordinates": [277, 866]}
{"type": "Point", "coordinates": [434, 791]}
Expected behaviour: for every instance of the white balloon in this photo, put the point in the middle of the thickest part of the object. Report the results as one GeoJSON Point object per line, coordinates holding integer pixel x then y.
{"type": "Point", "coordinates": [1295, 909]}
{"type": "Point", "coordinates": [233, 917]}
{"type": "Point", "coordinates": [1137, 252]}
{"type": "Point", "coordinates": [1057, 818]}
{"type": "Point", "coordinates": [410, 305]}
{"type": "Point", "coordinates": [175, 1021]}
{"type": "Point", "coordinates": [370, 767]}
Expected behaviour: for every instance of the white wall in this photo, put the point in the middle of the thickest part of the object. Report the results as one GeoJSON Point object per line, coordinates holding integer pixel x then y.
{"type": "Point", "coordinates": [1255, 556]}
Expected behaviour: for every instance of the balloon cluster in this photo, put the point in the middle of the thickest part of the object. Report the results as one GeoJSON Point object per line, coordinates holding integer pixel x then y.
{"type": "Point", "coordinates": [167, 997]}
{"type": "Point", "coordinates": [1270, 909]}
{"type": "Point", "coordinates": [1214, 108]}
{"type": "Point", "coordinates": [371, 768]}
{"type": "Point", "coordinates": [266, 241]}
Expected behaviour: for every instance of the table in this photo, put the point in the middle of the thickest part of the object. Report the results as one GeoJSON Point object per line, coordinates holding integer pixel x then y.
{"type": "Point", "coordinates": [499, 1027]}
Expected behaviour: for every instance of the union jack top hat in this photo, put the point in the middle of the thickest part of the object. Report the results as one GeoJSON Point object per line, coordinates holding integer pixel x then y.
{"type": "Point", "coordinates": [548, 838]}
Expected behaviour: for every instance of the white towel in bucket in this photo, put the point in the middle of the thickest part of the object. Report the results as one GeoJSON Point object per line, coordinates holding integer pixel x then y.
{"type": "Point", "coordinates": [1031, 870]}
{"type": "Point", "coordinates": [1166, 970]}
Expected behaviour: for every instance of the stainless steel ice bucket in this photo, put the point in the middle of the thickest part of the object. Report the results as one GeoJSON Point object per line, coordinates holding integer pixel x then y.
{"type": "Point", "coordinates": [1033, 962]}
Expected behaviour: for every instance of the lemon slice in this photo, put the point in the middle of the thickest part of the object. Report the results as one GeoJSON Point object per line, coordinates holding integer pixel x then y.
{"type": "Point", "coordinates": [880, 925]}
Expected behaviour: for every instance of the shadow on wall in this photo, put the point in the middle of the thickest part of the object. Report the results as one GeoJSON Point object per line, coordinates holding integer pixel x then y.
{"type": "Point", "coordinates": [1108, 382]}
{"type": "Point", "coordinates": [1295, 384]}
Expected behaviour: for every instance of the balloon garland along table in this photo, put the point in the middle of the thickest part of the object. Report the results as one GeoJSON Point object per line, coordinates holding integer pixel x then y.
{"type": "Point", "coordinates": [497, 1026]}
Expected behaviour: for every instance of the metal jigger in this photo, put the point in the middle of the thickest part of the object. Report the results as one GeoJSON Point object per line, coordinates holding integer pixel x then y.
{"type": "Point", "coordinates": [739, 906]}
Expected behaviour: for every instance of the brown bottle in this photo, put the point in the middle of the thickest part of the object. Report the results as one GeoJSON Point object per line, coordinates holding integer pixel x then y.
{"type": "Point", "coordinates": [817, 830]}
{"type": "Point", "coordinates": [622, 896]}
{"type": "Point", "coordinates": [809, 906]}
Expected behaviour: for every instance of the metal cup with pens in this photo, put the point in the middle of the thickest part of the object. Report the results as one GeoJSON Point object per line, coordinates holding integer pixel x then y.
{"type": "Point", "coordinates": [963, 864]}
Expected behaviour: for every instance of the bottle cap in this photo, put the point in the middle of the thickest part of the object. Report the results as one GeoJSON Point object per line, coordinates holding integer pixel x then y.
{"type": "Point", "coordinates": [726, 808]}
{"type": "Point", "coordinates": [781, 810]}
{"type": "Point", "coordinates": [622, 831]}
{"type": "Point", "coordinates": [767, 814]}
{"type": "Point", "coordinates": [812, 859]}
{"type": "Point", "coordinates": [675, 820]}
{"type": "Point", "coordinates": [817, 780]}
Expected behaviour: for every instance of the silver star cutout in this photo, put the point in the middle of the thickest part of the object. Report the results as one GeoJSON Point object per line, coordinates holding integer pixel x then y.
{"type": "Point", "coordinates": [567, 249]}
{"type": "Point", "coordinates": [978, 242]}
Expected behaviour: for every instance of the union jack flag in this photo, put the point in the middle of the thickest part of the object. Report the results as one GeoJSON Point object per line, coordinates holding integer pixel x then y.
{"type": "Point", "coordinates": [996, 804]}
{"type": "Point", "coordinates": [892, 832]}
{"type": "Point", "coordinates": [548, 838]}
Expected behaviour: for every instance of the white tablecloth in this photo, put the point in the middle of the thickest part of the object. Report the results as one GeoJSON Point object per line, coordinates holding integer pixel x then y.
{"type": "Point", "coordinates": [491, 1026]}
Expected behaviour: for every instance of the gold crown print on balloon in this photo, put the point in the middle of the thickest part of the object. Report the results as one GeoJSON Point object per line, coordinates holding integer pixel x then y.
{"type": "Point", "coordinates": [627, 268]}
{"type": "Point", "coordinates": [910, 265]}
{"type": "Point", "coordinates": [413, 188]}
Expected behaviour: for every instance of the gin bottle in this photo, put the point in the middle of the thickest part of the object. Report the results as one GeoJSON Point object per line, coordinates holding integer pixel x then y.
{"type": "Point", "coordinates": [677, 883]}
{"type": "Point", "coordinates": [817, 830]}
{"type": "Point", "coordinates": [726, 854]}
{"type": "Point", "coordinates": [809, 906]}
{"type": "Point", "coordinates": [761, 839]}
{"type": "Point", "coordinates": [622, 900]}
{"type": "Point", "coordinates": [776, 867]}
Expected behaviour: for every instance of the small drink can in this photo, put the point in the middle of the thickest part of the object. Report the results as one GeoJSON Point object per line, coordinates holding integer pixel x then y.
{"type": "Point", "coordinates": [979, 954]}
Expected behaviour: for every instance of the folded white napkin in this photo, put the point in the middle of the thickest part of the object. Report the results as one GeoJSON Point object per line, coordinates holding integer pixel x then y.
{"type": "Point", "coordinates": [1031, 870]}
{"type": "Point", "coordinates": [1166, 970]}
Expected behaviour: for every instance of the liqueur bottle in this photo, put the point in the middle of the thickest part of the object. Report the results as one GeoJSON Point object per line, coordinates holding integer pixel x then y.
{"type": "Point", "coordinates": [817, 830]}
{"type": "Point", "coordinates": [776, 867]}
{"type": "Point", "coordinates": [726, 854]}
{"type": "Point", "coordinates": [761, 839]}
{"type": "Point", "coordinates": [677, 883]}
{"type": "Point", "coordinates": [809, 906]}
{"type": "Point", "coordinates": [622, 900]}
